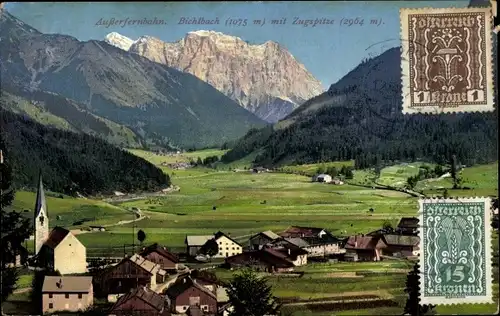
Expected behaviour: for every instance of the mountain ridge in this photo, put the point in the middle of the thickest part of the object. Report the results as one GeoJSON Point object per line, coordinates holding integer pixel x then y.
{"type": "Point", "coordinates": [360, 118]}
{"type": "Point", "coordinates": [264, 78]}
{"type": "Point", "coordinates": [157, 102]}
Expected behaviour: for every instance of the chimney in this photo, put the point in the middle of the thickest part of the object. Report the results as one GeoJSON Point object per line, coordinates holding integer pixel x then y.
{"type": "Point", "coordinates": [59, 283]}
{"type": "Point", "coordinates": [356, 241]}
{"type": "Point", "coordinates": [184, 280]}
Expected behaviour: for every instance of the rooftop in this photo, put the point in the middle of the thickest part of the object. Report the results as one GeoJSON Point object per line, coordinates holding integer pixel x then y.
{"type": "Point", "coordinates": [67, 284]}
{"type": "Point", "coordinates": [163, 251]}
{"type": "Point", "coordinates": [361, 242]}
{"type": "Point", "coordinates": [155, 300]}
{"type": "Point", "coordinates": [147, 265]}
{"type": "Point", "coordinates": [56, 236]}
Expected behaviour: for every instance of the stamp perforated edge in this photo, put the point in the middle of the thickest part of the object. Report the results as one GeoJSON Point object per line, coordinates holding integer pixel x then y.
{"type": "Point", "coordinates": [486, 299]}
{"type": "Point", "coordinates": [405, 63]}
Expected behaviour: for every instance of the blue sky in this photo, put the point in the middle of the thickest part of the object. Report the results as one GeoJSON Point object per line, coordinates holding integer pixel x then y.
{"type": "Point", "coordinates": [327, 51]}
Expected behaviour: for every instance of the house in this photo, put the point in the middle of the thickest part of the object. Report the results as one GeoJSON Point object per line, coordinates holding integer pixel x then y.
{"type": "Point", "coordinates": [259, 170]}
{"type": "Point", "coordinates": [203, 278]}
{"type": "Point", "coordinates": [258, 240]}
{"type": "Point", "coordinates": [400, 245]}
{"type": "Point", "coordinates": [294, 254]}
{"type": "Point", "coordinates": [130, 273]}
{"type": "Point", "coordinates": [194, 243]}
{"type": "Point", "coordinates": [60, 250]}
{"type": "Point", "coordinates": [160, 255]}
{"type": "Point", "coordinates": [260, 260]}
{"type": "Point", "coordinates": [318, 242]}
{"type": "Point", "coordinates": [322, 178]}
{"type": "Point", "coordinates": [186, 293]}
{"type": "Point", "coordinates": [142, 301]}
{"type": "Point", "coordinates": [227, 245]}
{"type": "Point", "coordinates": [337, 182]}
{"type": "Point", "coordinates": [67, 293]}
{"type": "Point", "coordinates": [315, 247]}
{"type": "Point", "coordinates": [408, 226]}
{"type": "Point", "coordinates": [301, 231]}
{"type": "Point", "coordinates": [363, 248]}
{"type": "Point", "coordinates": [63, 252]}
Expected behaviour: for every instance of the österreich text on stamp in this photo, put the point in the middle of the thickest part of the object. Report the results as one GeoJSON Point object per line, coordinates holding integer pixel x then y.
{"type": "Point", "coordinates": [446, 60]}
{"type": "Point", "coordinates": [455, 256]}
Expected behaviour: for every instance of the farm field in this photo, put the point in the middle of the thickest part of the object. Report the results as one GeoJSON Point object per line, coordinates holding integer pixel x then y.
{"type": "Point", "coordinates": [247, 203]}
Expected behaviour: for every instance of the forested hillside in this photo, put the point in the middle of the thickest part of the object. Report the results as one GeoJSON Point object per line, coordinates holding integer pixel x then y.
{"type": "Point", "coordinates": [54, 110]}
{"type": "Point", "coordinates": [360, 118]}
{"type": "Point", "coordinates": [72, 162]}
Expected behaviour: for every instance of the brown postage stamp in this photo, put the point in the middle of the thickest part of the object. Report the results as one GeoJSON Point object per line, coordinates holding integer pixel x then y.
{"type": "Point", "coordinates": [446, 60]}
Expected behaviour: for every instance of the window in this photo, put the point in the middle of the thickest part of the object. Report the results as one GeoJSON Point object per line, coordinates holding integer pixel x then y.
{"type": "Point", "coordinates": [184, 308]}
{"type": "Point", "coordinates": [66, 295]}
{"type": "Point", "coordinates": [233, 248]}
{"type": "Point", "coordinates": [50, 295]}
{"type": "Point", "coordinates": [80, 295]}
{"type": "Point", "coordinates": [227, 248]}
{"type": "Point", "coordinates": [51, 305]}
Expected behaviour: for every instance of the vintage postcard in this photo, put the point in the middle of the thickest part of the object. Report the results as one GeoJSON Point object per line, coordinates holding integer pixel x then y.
{"type": "Point", "coordinates": [447, 60]}
{"type": "Point", "coordinates": [455, 257]}
{"type": "Point", "coordinates": [246, 158]}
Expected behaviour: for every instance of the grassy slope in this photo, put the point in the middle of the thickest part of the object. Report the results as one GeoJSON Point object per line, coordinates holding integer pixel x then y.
{"type": "Point", "coordinates": [71, 210]}
{"type": "Point", "coordinates": [17, 104]}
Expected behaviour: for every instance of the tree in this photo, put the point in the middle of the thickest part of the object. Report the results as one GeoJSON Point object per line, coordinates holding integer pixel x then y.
{"type": "Point", "coordinates": [332, 171]}
{"type": "Point", "coordinates": [141, 236]}
{"type": "Point", "coordinates": [446, 194]}
{"type": "Point", "coordinates": [15, 228]}
{"type": "Point", "coordinates": [210, 248]}
{"type": "Point", "coordinates": [457, 180]}
{"type": "Point", "coordinates": [411, 182]}
{"type": "Point", "coordinates": [321, 169]}
{"type": "Point", "coordinates": [348, 173]}
{"type": "Point", "coordinates": [250, 295]}
{"type": "Point", "coordinates": [371, 210]}
{"type": "Point", "coordinates": [199, 162]}
{"type": "Point", "coordinates": [412, 306]}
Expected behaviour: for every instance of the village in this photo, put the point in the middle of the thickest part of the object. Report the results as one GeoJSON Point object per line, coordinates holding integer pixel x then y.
{"type": "Point", "coordinates": [155, 281]}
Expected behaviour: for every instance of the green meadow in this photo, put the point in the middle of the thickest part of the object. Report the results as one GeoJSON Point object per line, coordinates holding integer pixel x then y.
{"type": "Point", "coordinates": [243, 203]}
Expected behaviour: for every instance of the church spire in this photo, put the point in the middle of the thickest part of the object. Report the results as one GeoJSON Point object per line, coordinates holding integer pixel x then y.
{"type": "Point", "coordinates": [40, 198]}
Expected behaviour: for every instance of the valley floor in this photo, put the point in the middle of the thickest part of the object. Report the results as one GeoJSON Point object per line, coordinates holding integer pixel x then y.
{"type": "Point", "coordinates": [245, 203]}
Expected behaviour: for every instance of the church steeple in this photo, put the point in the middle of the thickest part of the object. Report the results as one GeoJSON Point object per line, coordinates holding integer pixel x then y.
{"type": "Point", "coordinates": [41, 217]}
{"type": "Point", "coordinates": [40, 197]}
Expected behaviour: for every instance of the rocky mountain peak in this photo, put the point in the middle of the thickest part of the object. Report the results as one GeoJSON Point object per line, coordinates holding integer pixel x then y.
{"type": "Point", "coordinates": [118, 40]}
{"type": "Point", "coordinates": [263, 78]}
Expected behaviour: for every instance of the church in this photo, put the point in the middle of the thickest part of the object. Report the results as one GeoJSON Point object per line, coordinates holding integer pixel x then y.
{"type": "Point", "coordinates": [58, 250]}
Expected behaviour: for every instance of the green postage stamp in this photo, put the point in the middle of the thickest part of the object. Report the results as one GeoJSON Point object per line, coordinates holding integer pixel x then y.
{"type": "Point", "coordinates": [455, 255]}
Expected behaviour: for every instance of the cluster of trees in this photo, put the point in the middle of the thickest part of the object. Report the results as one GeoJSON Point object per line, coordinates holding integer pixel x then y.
{"type": "Point", "coordinates": [72, 162]}
{"type": "Point", "coordinates": [208, 161]}
{"type": "Point", "coordinates": [345, 171]}
{"type": "Point", "coordinates": [425, 172]}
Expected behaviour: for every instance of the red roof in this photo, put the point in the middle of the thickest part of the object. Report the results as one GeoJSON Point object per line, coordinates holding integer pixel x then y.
{"type": "Point", "coordinates": [362, 242]}
{"type": "Point", "coordinates": [56, 236]}
{"type": "Point", "coordinates": [163, 251]}
{"type": "Point", "coordinates": [299, 231]}
{"type": "Point", "coordinates": [262, 256]}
